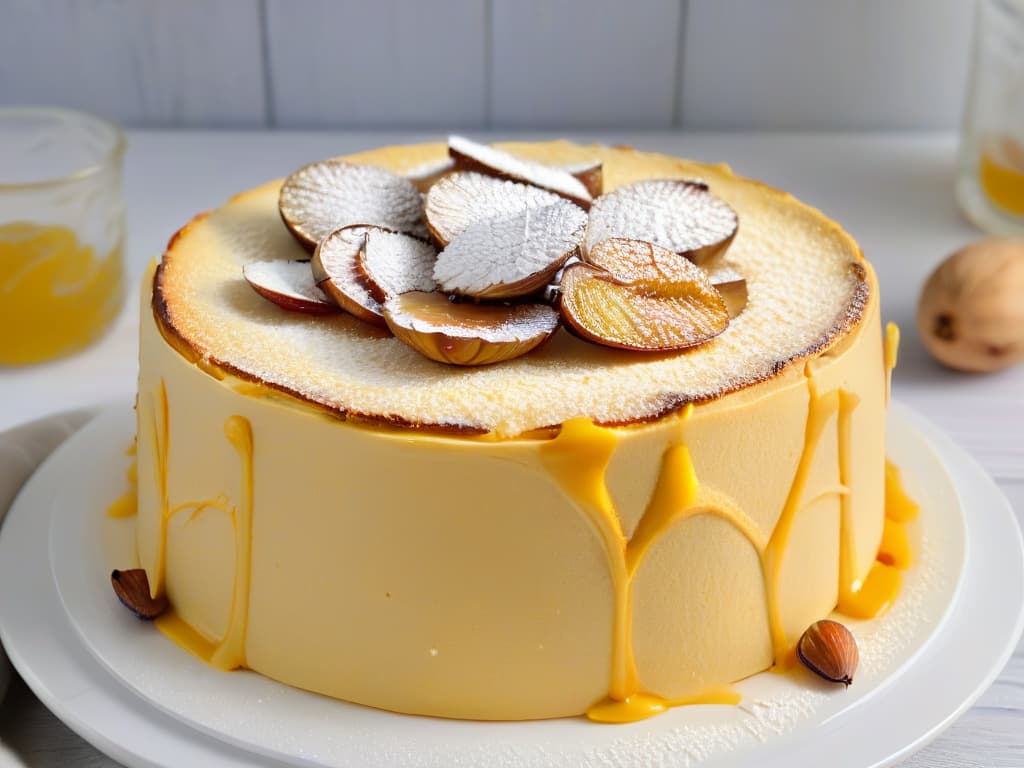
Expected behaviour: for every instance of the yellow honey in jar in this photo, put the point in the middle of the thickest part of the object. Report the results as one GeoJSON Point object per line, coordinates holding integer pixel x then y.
{"type": "Point", "coordinates": [1001, 173]}
{"type": "Point", "coordinates": [56, 293]}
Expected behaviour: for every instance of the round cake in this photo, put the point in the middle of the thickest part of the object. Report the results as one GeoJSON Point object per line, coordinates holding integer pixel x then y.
{"type": "Point", "coordinates": [580, 529]}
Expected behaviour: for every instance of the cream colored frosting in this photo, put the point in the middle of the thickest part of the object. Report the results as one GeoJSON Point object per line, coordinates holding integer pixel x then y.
{"type": "Point", "coordinates": [483, 578]}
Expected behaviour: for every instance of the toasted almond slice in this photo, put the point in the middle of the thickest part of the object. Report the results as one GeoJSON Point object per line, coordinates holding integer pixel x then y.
{"type": "Point", "coordinates": [638, 261]}
{"type": "Point", "coordinates": [393, 263]}
{"type": "Point", "coordinates": [682, 216]}
{"type": "Point", "coordinates": [465, 198]}
{"type": "Point", "coordinates": [132, 589]}
{"type": "Point", "coordinates": [733, 287]}
{"type": "Point", "coordinates": [322, 197]}
{"type": "Point", "coordinates": [647, 315]}
{"type": "Point", "coordinates": [336, 270]}
{"type": "Point", "coordinates": [290, 285]}
{"type": "Point", "coordinates": [472, 156]}
{"type": "Point", "coordinates": [426, 175]}
{"type": "Point", "coordinates": [504, 258]}
{"type": "Point", "coordinates": [590, 174]}
{"type": "Point", "coordinates": [468, 334]}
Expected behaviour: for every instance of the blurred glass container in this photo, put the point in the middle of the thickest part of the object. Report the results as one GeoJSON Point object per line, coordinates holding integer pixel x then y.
{"type": "Point", "coordinates": [61, 231]}
{"type": "Point", "coordinates": [990, 186]}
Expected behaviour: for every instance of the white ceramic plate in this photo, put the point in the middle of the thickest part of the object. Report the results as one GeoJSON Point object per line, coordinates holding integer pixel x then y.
{"type": "Point", "coordinates": [135, 695]}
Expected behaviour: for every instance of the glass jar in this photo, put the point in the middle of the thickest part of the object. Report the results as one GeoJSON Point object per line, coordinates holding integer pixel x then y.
{"type": "Point", "coordinates": [61, 231]}
{"type": "Point", "coordinates": [990, 186]}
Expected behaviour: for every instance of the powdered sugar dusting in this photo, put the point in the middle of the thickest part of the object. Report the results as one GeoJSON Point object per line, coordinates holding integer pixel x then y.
{"type": "Point", "coordinates": [397, 263]}
{"type": "Point", "coordinates": [513, 256]}
{"type": "Point", "coordinates": [682, 216]}
{"type": "Point", "coordinates": [465, 198]}
{"type": "Point", "coordinates": [803, 275]}
{"type": "Point", "coordinates": [321, 197]}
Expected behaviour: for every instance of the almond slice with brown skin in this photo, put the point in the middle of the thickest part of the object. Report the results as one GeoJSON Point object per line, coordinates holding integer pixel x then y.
{"type": "Point", "coordinates": [733, 287]}
{"type": "Point", "coordinates": [393, 263]}
{"type": "Point", "coordinates": [468, 334]}
{"type": "Point", "coordinates": [590, 174]}
{"type": "Point", "coordinates": [465, 198]}
{"type": "Point", "coordinates": [290, 285]}
{"type": "Point", "coordinates": [682, 216]}
{"type": "Point", "coordinates": [505, 258]}
{"type": "Point", "coordinates": [322, 197]}
{"type": "Point", "coordinates": [472, 156]}
{"type": "Point", "coordinates": [132, 589]}
{"type": "Point", "coordinates": [641, 297]}
{"type": "Point", "coordinates": [338, 273]}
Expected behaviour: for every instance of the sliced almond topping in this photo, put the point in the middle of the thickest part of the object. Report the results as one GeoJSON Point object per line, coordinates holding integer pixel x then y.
{"type": "Point", "coordinates": [290, 285]}
{"type": "Point", "coordinates": [465, 198]}
{"type": "Point", "coordinates": [733, 287]}
{"type": "Point", "coordinates": [641, 297]}
{"type": "Point", "coordinates": [393, 263]}
{"type": "Point", "coordinates": [682, 216]}
{"type": "Point", "coordinates": [468, 334]}
{"type": "Point", "coordinates": [590, 174]}
{"type": "Point", "coordinates": [337, 271]}
{"type": "Point", "coordinates": [503, 258]}
{"type": "Point", "coordinates": [471, 156]}
{"type": "Point", "coordinates": [322, 197]}
{"type": "Point", "coordinates": [426, 175]}
{"type": "Point", "coordinates": [132, 589]}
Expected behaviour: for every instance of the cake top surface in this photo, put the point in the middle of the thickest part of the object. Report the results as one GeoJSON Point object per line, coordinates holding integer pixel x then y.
{"type": "Point", "coordinates": [806, 282]}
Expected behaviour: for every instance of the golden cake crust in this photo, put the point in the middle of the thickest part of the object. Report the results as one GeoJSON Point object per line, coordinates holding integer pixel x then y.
{"type": "Point", "coordinates": [807, 281]}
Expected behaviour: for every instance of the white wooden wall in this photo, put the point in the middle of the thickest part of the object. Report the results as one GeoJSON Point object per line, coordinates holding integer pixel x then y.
{"type": "Point", "coordinates": [599, 64]}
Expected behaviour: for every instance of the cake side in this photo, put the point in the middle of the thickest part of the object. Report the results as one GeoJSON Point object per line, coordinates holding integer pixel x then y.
{"type": "Point", "coordinates": [483, 585]}
{"type": "Point", "coordinates": [805, 278]}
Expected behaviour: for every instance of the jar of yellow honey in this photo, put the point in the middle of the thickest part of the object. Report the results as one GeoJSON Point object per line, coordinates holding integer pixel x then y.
{"type": "Point", "coordinates": [61, 231]}
{"type": "Point", "coordinates": [990, 186]}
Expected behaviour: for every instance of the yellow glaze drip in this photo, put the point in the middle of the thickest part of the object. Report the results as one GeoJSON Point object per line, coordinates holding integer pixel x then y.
{"type": "Point", "coordinates": [875, 595]}
{"type": "Point", "coordinates": [640, 706]}
{"type": "Point", "coordinates": [181, 632]}
{"type": "Point", "coordinates": [891, 351]}
{"type": "Point", "coordinates": [161, 444]}
{"type": "Point", "coordinates": [578, 457]}
{"type": "Point", "coordinates": [882, 585]}
{"type": "Point", "coordinates": [899, 507]}
{"type": "Point", "coordinates": [819, 410]}
{"type": "Point", "coordinates": [231, 651]}
{"type": "Point", "coordinates": [848, 582]}
{"type": "Point", "coordinates": [895, 547]}
{"type": "Point", "coordinates": [125, 505]}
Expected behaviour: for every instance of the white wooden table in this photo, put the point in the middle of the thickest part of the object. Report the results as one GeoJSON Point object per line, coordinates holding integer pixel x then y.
{"type": "Point", "coordinates": [893, 192]}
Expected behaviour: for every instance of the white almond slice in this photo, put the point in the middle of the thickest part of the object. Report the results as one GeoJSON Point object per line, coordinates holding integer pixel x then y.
{"type": "Point", "coordinates": [682, 216]}
{"type": "Point", "coordinates": [733, 287]}
{"type": "Point", "coordinates": [336, 269]}
{"type": "Point", "coordinates": [473, 156]}
{"type": "Point", "coordinates": [322, 197]}
{"type": "Point", "coordinates": [465, 198]}
{"type": "Point", "coordinates": [393, 263]}
{"type": "Point", "coordinates": [504, 258]}
{"type": "Point", "coordinates": [468, 334]}
{"type": "Point", "coordinates": [290, 285]}
{"type": "Point", "coordinates": [426, 175]}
